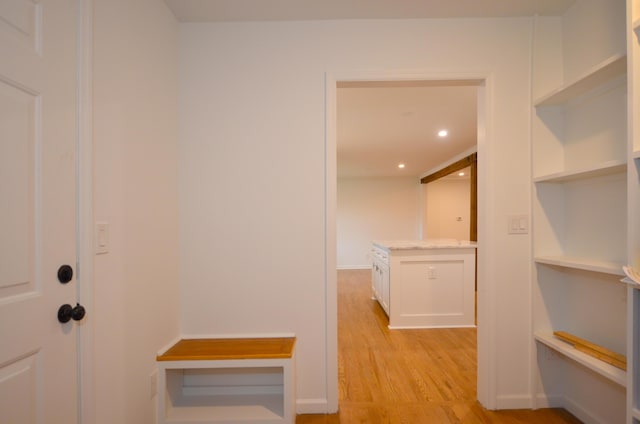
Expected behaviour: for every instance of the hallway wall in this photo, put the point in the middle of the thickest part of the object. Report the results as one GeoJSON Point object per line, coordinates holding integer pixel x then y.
{"type": "Point", "coordinates": [374, 209]}
{"type": "Point", "coordinates": [252, 182]}
{"type": "Point", "coordinates": [446, 209]}
{"type": "Point", "coordinates": [135, 127]}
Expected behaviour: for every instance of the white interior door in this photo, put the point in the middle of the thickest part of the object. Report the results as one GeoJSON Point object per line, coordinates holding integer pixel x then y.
{"type": "Point", "coordinates": [38, 354]}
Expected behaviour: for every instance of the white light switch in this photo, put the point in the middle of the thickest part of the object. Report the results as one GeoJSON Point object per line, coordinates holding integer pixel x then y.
{"type": "Point", "coordinates": [518, 224]}
{"type": "Point", "coordinates": [101, 238]}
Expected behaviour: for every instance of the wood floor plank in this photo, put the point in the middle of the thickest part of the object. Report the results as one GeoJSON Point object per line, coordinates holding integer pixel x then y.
{"type": "Point", "coordinates": [408, 376]}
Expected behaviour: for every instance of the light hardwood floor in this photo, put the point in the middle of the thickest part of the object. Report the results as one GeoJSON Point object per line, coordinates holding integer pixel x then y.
{"type": "Point", "coordinates": [407, 376]}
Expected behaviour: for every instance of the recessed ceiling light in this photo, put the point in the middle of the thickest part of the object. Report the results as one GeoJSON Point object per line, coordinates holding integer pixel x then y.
{"type": "Point", "coordinates": [443, 133]}
{"type": "Point", "coordinates": [401, 165]}
{"type": "Point", "coordinates": [461, 174]}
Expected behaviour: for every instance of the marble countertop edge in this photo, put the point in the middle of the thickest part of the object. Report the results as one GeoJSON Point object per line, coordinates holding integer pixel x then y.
{"type": "Point", "coordinates": [425, 244]}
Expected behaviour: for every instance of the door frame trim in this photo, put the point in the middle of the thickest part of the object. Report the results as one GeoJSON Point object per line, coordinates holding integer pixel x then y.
{"type": "Point", "coordinates": [486, 382]}
{"type": "Point", "coordinates": [84, 194]}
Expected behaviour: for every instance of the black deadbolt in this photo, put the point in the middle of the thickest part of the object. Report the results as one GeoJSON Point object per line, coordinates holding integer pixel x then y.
{"type": "Point", "coordinates": [78, 312]}
{"type": "Point", "coordinates": [65, 274]}
{"type": "Point", "coordinates": [66, 312]}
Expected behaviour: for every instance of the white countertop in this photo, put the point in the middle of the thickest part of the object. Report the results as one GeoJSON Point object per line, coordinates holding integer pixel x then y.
{"type": "Point", "coordinates": [425, 244]}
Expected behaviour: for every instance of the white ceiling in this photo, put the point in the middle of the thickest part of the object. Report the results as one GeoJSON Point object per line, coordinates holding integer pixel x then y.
{"type": "Point", "coordinates": [286, 10]}
{"type": "Point", "coordinates": [381, 125]}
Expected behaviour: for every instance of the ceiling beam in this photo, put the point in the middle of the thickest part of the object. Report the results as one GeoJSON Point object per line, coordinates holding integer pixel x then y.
{"type": "Point", "coordinates": [456, 166]}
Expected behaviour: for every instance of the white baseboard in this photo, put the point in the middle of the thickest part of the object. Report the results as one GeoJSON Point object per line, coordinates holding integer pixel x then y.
{"type": "Point", "coordinates": [544, 401]}
{"type": "Point", "coordinates": [513, 402]}
{"type": "Point", "coordinates": [237, 336]}
{"type": "Point", "coordinates": [312, 406]}
{"type": "Point", "coordinates": [584, 415]}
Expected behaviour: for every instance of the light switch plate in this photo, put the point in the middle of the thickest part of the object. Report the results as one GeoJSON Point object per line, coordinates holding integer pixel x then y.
{"type": "Point", "coordinates": [518, 224]}
{"type": "Point", "coordinates": [431, 273]}
{"type": "Point", "coordinates": [101, 238]}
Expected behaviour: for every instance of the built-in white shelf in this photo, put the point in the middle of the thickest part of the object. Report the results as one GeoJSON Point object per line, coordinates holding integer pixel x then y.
{"type": "Point", "coordinates": [610, 372]}
{"type": "Point", "coordinates": [606, 168]}
{"type": "Point", "coordinates": [585, 264]}
{"type": "Point", "coordinates": [636, 154]}
{"type": "Point", "coordinates": [227, 409]}
{"type": "Point", "coordinates": [600, 74]}
{"type": "Point", "coordinates": [630, 283]}
{"type": "Point", "coordinates": [636, 413]}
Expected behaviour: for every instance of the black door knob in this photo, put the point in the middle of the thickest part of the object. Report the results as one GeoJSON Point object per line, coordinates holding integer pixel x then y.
{"type": "Point", "coordinates": [65, 274]}
{"type": "Point", "coordinates": [67, 312]}
{"type": "Point", "coordinates": [64, 313]}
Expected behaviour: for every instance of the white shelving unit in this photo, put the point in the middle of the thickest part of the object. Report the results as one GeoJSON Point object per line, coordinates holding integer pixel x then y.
{"type": "Point", "coordinates": [599, 75]}
{"type": "Point", "coordinates": [633, 212]}
{"type": "Point", "coordinates": [633, 348]}
{"type": "Point", "coordinates": [579, 231]}
{"type": "Point", "coordinates": [599, 170]}
{"type": "Point", "coordinates": [585, 264]}
{"type": "Point", "coordinates": [609, 372]}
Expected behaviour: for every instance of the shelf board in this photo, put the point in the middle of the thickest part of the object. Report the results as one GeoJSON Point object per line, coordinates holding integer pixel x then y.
{"type": "Point", "coordinates": [607, 168]}
{"type": "Point", "coordinates": [635, 154]}
{"type": "Point", "coordinates": [630, 283]}
{"type": "Point", "coordinates": [606, 71]}
{"type": "Point", "coordinates": [636, 413]}
{"type": "Point", "coordinates": [610, 372]}
{"type": "Point", "coordinates": [584, 264]}
{"type": "Point", "coordinates": [226, 409]}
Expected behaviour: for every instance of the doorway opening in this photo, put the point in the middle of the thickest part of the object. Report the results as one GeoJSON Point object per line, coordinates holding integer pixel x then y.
{"type": "Point", "coordinates": [334, 82]}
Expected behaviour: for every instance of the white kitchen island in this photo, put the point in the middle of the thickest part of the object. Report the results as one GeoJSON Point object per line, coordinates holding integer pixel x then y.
{"type": "Point", "coordinates": [425, 283]}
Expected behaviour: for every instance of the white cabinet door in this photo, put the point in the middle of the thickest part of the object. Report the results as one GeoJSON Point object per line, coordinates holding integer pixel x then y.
{"type": "Point", "coordinates": [374, 279]}
{"type": "Point", "coordinates": [384, 283]}
{"type": "Point", "coordinates": [38, 362]}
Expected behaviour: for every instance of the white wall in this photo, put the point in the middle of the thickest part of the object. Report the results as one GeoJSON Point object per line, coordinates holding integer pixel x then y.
{"type": "Point", "coordinates": [592, 31]}
{"type": "Point", "coordinates": [135, 190]}
{"type": "Point", "coordinates": [374, 209]}
{"type": "Point", "coordinates": [252, 183]}
{"type": "Point", "coordinates": [445, 200]}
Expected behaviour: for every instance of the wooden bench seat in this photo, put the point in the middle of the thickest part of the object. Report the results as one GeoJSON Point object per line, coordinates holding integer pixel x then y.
{"type": "Point", "coordinates": [227, 380]}
{"type": "Point", "coordinates": [217, 349]}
